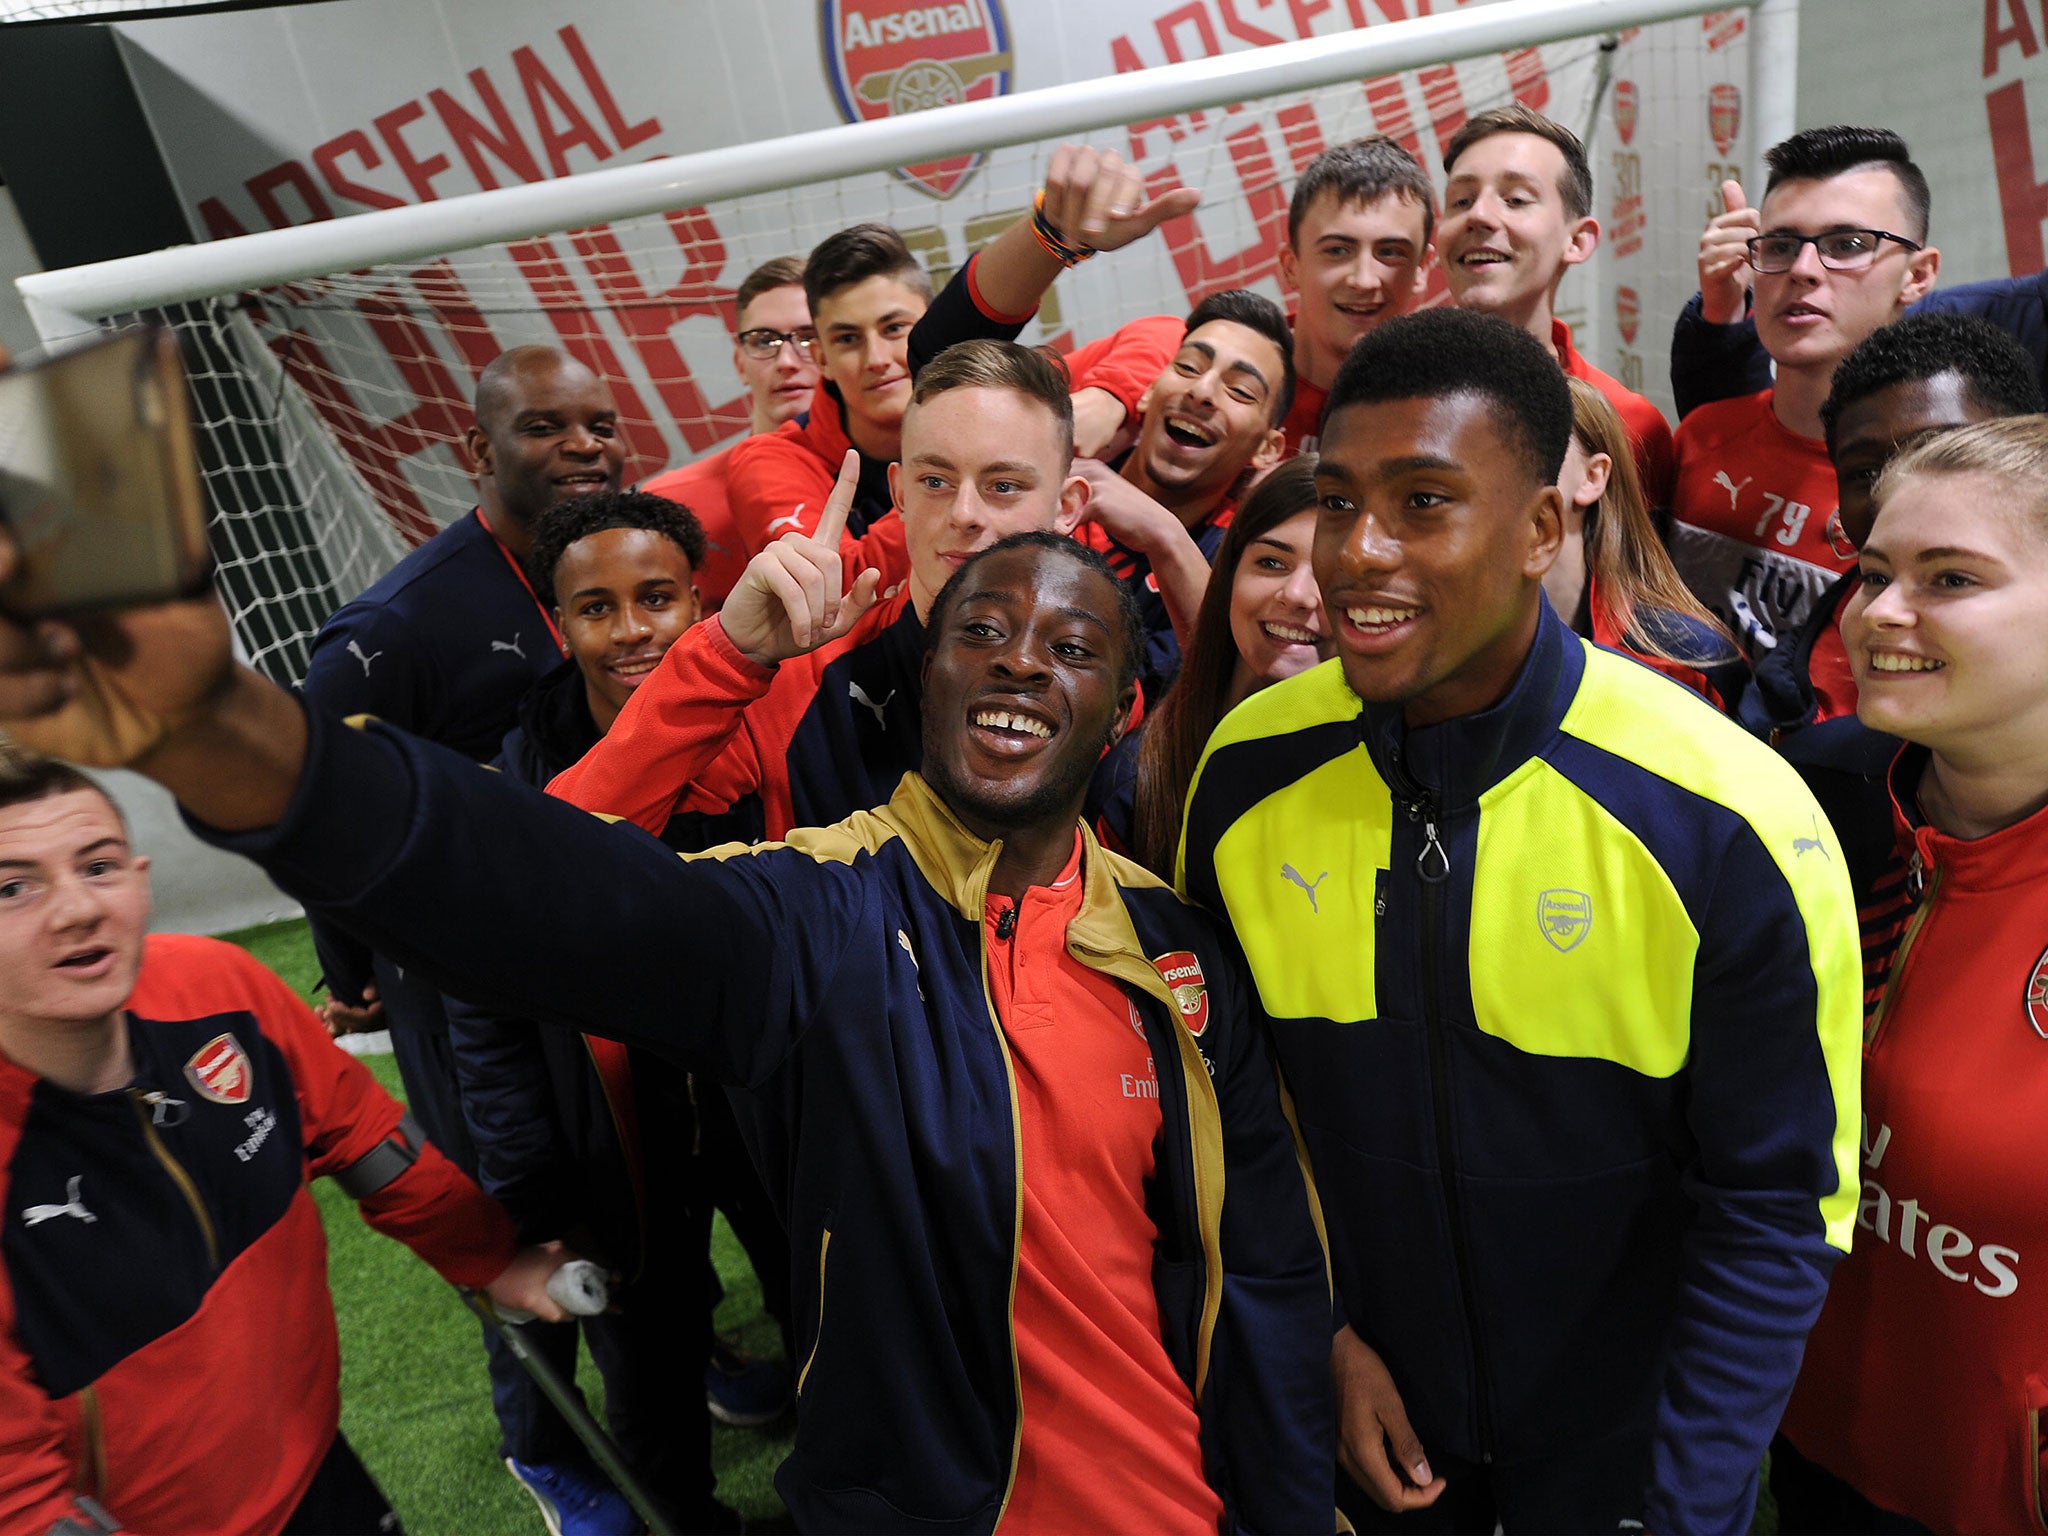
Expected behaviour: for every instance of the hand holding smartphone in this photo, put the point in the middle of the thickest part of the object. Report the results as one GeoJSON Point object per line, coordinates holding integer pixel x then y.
{"type": "Point", "coordinates": [99, 484]}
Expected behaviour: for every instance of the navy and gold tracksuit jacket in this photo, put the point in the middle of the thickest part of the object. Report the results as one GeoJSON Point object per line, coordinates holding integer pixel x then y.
{"type": "Point", "coordinates": [842, 977]}
{"type": "Point", "coordinates": [1567, 995]}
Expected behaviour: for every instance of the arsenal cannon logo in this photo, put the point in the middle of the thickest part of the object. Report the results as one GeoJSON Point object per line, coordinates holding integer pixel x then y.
{"type": "Point", "coordinates": [1182, 973]}
{"type": "Point", "coordinates": [886, 57]}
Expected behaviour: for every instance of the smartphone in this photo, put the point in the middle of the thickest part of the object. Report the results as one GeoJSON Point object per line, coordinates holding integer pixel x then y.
{"type": "Point", "coordinates": [98, 480]}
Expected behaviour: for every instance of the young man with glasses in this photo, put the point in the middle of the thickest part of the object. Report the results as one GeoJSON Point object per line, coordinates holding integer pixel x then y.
{"type": "Point", "coordinates": [1838, 250]}
{"type": "Point", "coordinates": [775, 351]}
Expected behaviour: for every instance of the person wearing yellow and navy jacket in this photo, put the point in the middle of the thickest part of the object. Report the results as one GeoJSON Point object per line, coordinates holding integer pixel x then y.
{"type": "Point", "coordinates": [848, 978]}
{"type": "Point", "coordinates": [1562, 973]}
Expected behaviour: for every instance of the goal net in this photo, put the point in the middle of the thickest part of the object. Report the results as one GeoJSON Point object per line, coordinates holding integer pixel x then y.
{"type": "Point", "coordinates": [333, 408]}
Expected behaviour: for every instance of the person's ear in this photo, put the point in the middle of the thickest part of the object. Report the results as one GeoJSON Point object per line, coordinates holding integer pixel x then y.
{"type": "Point", "coordinates": [1126, 702]}
{"type": "Point", "coordinates": [1546, 532]}
{"type": "Point", "coordinates": [556, 612]}
{"type": "Point", "coordinates": [1290, 268]}
{"type": "Point", "coordinates": [1271, 450]}
{"type": "Point", "coordinates": [1584, 241]}
{"type": "Point", "coordinates": [1073, 505]}
{"type": "Point", "coordinates": [696, 605]}
{"type": "Point", "coordinates": [479, 446]}
{"type": "Point", "coordinates": [1922, 267]}
{"type": "Point", "coordinates": [896, 485]}
{"type": "Point", "coordinates": [1599, 469]}
{"type": "Point", "coordinates": [1426, 260]}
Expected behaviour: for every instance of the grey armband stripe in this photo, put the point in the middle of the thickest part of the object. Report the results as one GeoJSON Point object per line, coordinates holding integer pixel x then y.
{"type": "Point", "coordinates": [103, 1524]}
{"type": "Point", "coordinates": [383, 1162]}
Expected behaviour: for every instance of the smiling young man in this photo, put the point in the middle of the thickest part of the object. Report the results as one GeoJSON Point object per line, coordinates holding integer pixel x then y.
{"type": "Point", "coordinates": [740, 707]}
{"type": "Point", "coordinates": [775, 351]}
{"type": "Point", "coordinates": [1208, 424]}
{"type": "Point", "coordinates": [878, 323]}
{"type": "Point", "coordinates": [1839, 250]}
{"type": "Point", "coordinates": [574, 1134]}
{"type": "Point", "coordinates": [1358, 249]}
{"type": "Point", "coordinates": [445, 644]}
{"type": "Point", "coordinates": [1059, 1264]}
{"type": "Point", "coordinates": [1518, 213]}
{"type": "Point", "coordinates": [164, 1103]}
{"type": "Point", "coordinates": [1571, 1018]}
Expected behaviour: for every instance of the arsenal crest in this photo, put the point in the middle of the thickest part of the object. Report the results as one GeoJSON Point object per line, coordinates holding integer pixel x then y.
{"type": "Point", "coordinates": [1628, 311]}
{"type": "Point", "coordinates": [887, 57]}
{"type": "Point", "coordinates": [1625, 103]}
{"type": "Point", "coordinates": [2037, 996]}
{"type": "Point", "coordinates": [1724, 115]}
{"type": "Point", "coordinates": [1182, 972]}
{"type": "Point", "coordinates": [1564, 917]}
{"type": "Point", "coordinates": [220, 1071]}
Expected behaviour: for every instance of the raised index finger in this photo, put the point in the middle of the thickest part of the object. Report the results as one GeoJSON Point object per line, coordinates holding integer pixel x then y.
{"type": "Point", "coordinates": [832, 522]}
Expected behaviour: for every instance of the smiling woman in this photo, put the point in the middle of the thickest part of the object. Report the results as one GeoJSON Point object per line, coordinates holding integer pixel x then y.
{"type": "Point", "coordinates": [1921, 1394]}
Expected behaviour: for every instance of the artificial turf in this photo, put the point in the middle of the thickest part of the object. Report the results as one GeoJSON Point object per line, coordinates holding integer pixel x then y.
{"type": "Point", "coordinates": [415, 1401]}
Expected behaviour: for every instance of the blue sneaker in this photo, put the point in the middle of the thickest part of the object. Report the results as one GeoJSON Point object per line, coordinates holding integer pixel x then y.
{"type": "Point", "coordinates": [742, 1391]}
{"type": "Point", "coordinates": [575, 1501]}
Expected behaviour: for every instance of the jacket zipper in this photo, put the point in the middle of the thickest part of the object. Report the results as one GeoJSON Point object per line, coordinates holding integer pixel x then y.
{"type": "Point", "coordinates": [92, 1462]}
{"type": "Point", "coordinates": [818, 1337]}
{"type": "Point", "coordinates": [179, 1176]}
{"type": "Point", "coordinates": [1016, 1219]}
{"type": "Point", "coordinates": [1913, 927]}
{"type": "Point", "coordinates": [1433, 867]}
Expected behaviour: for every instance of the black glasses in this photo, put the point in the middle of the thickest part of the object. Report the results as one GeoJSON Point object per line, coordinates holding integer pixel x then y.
{"type": "Point", "coordinates": [762, 343]}
{"type": "Point", "coordinates": [1840, 250]}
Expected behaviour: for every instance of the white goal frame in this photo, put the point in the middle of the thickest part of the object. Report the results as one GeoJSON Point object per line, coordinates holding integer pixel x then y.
{"type": "Point", "coordinates": [72, 300]}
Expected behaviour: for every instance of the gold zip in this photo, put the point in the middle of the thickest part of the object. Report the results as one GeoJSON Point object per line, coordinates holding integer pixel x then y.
{"type": "Point", "coordinates": [824, 1247]}
{"type": "Point", "coordinates": [1017, 1220]}
{"type": "Point", "coordinates": [92, 1461]}
{"type": "Point", "coordinates": [1913, 927]}
{"type": "Point", "coordinates": [179, 1177]}
{"type": "Point", "coordinates": [2035, 1506]}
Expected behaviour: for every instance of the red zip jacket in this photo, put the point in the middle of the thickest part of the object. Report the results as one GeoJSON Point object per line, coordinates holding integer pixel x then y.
{"type": "Point", "coordinates": [167, 1340]}
{"type": "Point", "coordinates": [701, 487]}
{"type": "Point", "coordinates": [1926, 1378]}
{"type": "Point", "coordinates": [709, 727]}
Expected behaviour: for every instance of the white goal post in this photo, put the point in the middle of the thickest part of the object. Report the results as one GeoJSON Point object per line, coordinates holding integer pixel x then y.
{"type": "Point", "coordinates": [332, 361]}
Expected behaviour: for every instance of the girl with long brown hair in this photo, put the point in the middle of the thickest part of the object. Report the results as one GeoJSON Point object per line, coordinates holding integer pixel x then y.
{"type": "Point", "coordinates": [1613, 581]}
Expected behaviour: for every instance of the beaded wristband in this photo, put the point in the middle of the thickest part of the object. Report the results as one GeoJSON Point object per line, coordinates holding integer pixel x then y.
{"type": "Point", "coordinates": [1056, 245]}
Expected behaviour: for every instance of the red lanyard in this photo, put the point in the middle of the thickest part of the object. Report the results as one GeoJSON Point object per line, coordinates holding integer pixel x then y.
{"type": "Point", "coordinates": [545, 617]}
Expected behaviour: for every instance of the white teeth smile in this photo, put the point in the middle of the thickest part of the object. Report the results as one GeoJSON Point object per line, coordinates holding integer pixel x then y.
{"type": "Point", "coordinates": [1891, 661]}
{"type": "Point", "coordinates": [1003, 720]}
{"type": "Point", "coordinates": [1290, 634]}
{"type": "Point", "coordinates": [1183, 427]}
{"type": "Point", "coordinates": [1379, 618]}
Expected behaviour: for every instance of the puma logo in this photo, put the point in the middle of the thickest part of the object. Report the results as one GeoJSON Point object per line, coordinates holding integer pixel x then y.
{"type": "Point", "coordinates": [788, 519]}
{"type": "Point", "coordinates": [357, 652]}
{"type": "Point", "coordinates": [858, 694]}
{"type": "Point", "coordinates": [1308, 887]}
{"type": "Point", "coordinates": [1802, 846]}
{"type": "Point", "coordinates": [514, 645]}
{"type": "Point", "coordinates": [1731, 487]}
{"type": "Point", "coordinates": [36, 1215]}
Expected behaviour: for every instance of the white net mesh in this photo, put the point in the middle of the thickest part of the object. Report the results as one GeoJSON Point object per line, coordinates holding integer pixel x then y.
{"type": "Point", "coordinates": [334, 408]}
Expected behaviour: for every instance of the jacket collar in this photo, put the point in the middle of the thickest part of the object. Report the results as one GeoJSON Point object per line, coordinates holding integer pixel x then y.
{"type": "Point", "coordinates": [1456, 761]}
{"type": "Point", "coordinates": [958, 866]}
{"type": "Point", "coordinates": [2012, 856]}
